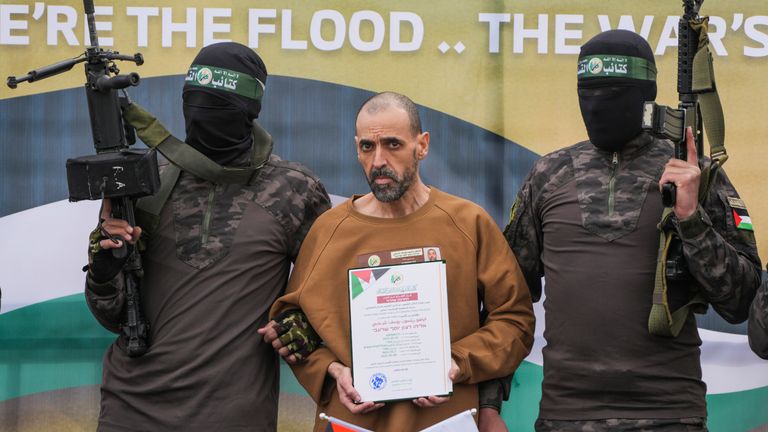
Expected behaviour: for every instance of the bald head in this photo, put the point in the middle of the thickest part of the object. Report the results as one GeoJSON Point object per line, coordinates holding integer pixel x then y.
{"type": "Point", "coordinates": [381, 101]}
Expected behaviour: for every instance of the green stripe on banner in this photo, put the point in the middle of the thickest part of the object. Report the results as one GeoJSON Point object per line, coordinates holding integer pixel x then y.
{"type": "Point", "coordinates": [49, 346]}
{"type": "Point", "coordinates": [288, 382]}
{"type": "Point", "coordinates": [58, 344]}
{"type": "Point", "coordinates": [739, 411]}
{"type": "Point", "coordinates": [522, 408]}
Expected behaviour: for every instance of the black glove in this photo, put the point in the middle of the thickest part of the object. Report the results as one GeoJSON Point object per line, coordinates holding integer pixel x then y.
{"type": "Point", "coordinates": [103, 266]}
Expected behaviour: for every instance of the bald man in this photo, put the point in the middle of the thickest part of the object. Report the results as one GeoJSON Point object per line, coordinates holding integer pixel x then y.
{"type": "Point", "coordinates": [401, 213]}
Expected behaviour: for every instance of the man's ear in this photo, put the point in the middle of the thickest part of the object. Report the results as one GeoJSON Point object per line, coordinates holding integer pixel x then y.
{"type": "Point", "coordinates": [423, 145]}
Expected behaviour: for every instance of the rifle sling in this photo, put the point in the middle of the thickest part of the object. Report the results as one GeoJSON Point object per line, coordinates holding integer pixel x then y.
{"type": "Point", "coordinates": [661, 321]}
{"type": "Point", "coordinates": [183, 157]}
{"type": "Point", "coordinates": [148, 208]}
{"type": "Point", "coordinates": [191, 160]}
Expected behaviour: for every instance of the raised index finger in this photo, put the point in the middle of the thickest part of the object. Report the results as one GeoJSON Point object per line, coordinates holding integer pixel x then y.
{"type": "Point", "coordinates": [693, 157]}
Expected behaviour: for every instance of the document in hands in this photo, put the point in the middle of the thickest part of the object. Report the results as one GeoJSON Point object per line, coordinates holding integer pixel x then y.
{"type": "Point", "coordinates": [401, 346]}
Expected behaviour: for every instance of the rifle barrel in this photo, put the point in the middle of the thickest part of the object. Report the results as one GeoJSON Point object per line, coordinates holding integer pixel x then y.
{"type": "Point", "coordinates": [89, 11]}
{"type": "Point", "coordinates": [117, 82]}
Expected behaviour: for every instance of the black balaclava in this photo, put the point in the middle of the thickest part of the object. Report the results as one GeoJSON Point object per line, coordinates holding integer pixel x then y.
{"type": "Point", "coordinates": [616, 74]}
{"type": "Point", "coordinates": [222, 95]}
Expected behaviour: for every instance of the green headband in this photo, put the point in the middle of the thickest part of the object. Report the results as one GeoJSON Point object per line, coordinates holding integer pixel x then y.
{"type": "Point", "coordinates": [224, 79]}
{"type": "Point", "coordinates": [611, 65]}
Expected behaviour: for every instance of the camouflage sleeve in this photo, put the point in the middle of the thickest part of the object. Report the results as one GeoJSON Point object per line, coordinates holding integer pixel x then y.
{"type": "Point", "coordinates": [757, 327]}
{"type": "Point", "coordinates": [316, 202]}
{"type": "Point", "coordinates": [105, 300]}
{"type": "Point", "coordinates": [721, 252]}
{"type": "Point", "coordinates": [523, 233]}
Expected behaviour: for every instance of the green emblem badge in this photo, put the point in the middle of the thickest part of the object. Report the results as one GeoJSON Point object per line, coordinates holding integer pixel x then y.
{"type": "Point", "coordinates": [204, 76]}
{"type": "Point", "coordinates": [374, 260]}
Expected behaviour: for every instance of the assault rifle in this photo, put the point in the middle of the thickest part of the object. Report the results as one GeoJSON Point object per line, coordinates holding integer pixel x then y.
{"type": "Point", "coordinates": [674, 294]}
{"type": "Point", "coordinates": [116, 171]}
{"type": "Point", "coordinates": [670, 123]}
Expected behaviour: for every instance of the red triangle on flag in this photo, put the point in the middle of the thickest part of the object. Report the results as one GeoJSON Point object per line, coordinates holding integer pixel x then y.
{"type": "Point", "coordinates": [335, 427]}
{"type": "Point", "coordinates": [363, 274]}
{"type": "Point", "coordinates": [736, 218]}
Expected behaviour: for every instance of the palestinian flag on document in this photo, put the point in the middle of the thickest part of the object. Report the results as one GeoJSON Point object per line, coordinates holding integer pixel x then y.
{"type": "Point", "coordinates": [360, 280]}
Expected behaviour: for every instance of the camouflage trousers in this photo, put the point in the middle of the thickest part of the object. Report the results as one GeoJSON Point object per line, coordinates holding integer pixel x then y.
{"type": "Point", "coordinates": [691, 424]}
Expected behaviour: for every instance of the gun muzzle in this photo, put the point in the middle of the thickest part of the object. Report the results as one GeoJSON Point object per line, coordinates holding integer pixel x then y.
{"type": "Point", "coordinates": [117, 82]}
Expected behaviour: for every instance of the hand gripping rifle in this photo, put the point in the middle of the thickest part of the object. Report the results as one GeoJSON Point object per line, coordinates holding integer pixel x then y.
{"type": "Point", "coordinates": [116, 171]}
{"type": "Point", "coordinates": [699, 103]}
{"type": "Point", "coordinates": [699, 108]}
{"type": "Point", "coordinates": [671, 123]}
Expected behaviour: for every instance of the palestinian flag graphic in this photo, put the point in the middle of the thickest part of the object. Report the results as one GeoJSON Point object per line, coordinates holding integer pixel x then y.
{"type": "Point", "coordinates": [742, 219]}
{"type": "Point", "coordinates": [336, 425]}
{"type": "Point", "coordinates": [361, 279]}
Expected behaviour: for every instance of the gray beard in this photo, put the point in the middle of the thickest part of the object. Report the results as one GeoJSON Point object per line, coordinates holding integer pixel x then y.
{"type": "Point", "coordinates": [395, 190]}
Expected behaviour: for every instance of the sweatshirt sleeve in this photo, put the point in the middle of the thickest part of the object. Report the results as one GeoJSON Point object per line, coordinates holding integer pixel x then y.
{"type": "Point", "coordinates": [506, 337]}
{"type": "Point", "coordinates": [721, 253]}
{"type": "Point", "coordinates": [312, 373]}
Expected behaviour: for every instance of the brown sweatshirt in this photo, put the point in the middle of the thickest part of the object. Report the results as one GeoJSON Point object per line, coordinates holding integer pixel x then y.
{"type": "Point", "coordinates": [479, 262]}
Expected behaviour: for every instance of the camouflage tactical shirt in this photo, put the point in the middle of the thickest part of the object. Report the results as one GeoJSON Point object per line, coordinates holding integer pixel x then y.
{"type": "Point", "coordinates": [758, 320]}
{"type": "Point", "coordinates": [587, 220]}
{"type": "Point", "coordinates": [215, 263]}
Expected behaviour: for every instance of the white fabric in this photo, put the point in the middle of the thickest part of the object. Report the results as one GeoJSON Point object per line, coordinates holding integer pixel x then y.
{"type": "Point", "coordinates": [461, 422]}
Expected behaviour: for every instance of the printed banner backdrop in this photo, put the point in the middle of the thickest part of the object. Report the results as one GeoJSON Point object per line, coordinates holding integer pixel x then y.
{"type": "Point", "coordinates": [495, 83]}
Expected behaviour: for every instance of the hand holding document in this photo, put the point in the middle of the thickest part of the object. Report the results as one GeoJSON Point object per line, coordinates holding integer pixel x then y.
{"type": "Point", "coordinates": [400, 333]}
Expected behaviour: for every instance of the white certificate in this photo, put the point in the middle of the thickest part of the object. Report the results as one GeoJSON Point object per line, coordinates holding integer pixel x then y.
{"type": "Point", "coordinates": [401, 346]}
